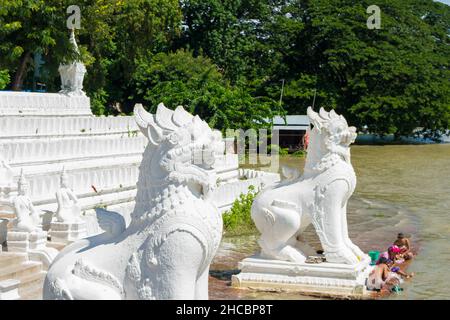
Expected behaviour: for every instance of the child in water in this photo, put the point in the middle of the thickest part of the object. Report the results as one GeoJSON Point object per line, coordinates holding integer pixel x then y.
{"type": "Point", "coordinates": [404, 245]}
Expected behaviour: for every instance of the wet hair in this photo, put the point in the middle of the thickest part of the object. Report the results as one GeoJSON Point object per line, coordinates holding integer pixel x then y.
{"type": "Point", "coordinates": [400, 235]}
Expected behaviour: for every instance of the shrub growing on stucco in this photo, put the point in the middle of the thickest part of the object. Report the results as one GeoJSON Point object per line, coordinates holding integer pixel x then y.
{"type": "Point", "coordinates": [238, 219]}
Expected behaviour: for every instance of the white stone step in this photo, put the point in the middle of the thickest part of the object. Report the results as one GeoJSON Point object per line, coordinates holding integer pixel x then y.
{"type": "Point", "coordinates": [226, 163]}
{"type": "Point", "coordinates": [32, 294]}
{"type": "Point", "coordinates": [15, 272]}
{"type": "Point", "coordinates": [73, 165]}
{"type": "Point", "coordinates": [32, 127]}
{"type": "Point", "coordinates": [57, 245]}
{"type": "Point", "coordinates": [120, 202]}
{"type": "Point", "coordinates": [29, 274]}
{"type": "Point", "coordinates": [19, 152]}
{"type": "Point", "coordinates": [92, 201]}
{"type": "Point", "coordinates": [32, 285]}
{"type": "Point", "coordinates": [9, 289]}
{"type": "Point", "coordinates": [112, 173]}
{"type": "Point", "coordinates": [43, 104]}
{"type": "Point", "coordinates": [8, 259]}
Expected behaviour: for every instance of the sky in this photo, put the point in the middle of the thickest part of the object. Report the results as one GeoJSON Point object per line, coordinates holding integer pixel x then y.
{"type": "Point", "coordinates": [444, 1]}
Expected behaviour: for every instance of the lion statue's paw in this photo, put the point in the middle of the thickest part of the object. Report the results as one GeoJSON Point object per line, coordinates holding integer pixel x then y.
{"type": "Point", "coordinates": [292, 254]}
{"type": "Point", "coordinates": [344, 255]}
{"type": "Point", "coordinates": [357, 251]}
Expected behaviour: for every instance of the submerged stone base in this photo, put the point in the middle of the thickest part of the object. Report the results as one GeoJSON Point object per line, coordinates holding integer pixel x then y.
{"type": "Point", "coordinates": [321, 279]}
{"type": "Point", "coordinates": [67, 232]}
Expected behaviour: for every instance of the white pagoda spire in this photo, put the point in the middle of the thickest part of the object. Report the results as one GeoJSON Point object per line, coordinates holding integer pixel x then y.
{"type": "Point", "coordinates": [72, 74]}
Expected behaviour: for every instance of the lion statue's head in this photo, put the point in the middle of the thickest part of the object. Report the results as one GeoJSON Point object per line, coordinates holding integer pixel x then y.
{"type": "Point", "coordinates": [330, 135]}
{"type": "Point", "coordinates": [184, 147]}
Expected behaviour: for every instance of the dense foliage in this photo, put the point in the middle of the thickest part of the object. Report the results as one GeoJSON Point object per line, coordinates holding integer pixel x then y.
{"type": "Point", "coordinates": [4, 78]}
{"type": "Point", "coordinates": [180, 79]}
{"type": "Point", "coordinates": [226, 59]}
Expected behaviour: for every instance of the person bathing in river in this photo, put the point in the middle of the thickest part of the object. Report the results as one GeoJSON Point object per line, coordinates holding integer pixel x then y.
{"type": "Point", "coordinates": [405, 246]}
{"type": "Point", "coordinates": [394, 254]}
{"type": "Point", "coordinates": [381, 275]}
{"type": "Point", "coordinates": [397, 270]}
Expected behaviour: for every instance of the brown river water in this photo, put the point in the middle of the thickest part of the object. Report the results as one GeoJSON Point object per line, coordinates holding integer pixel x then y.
{"type": "Point", "coordinates": [403, 188]}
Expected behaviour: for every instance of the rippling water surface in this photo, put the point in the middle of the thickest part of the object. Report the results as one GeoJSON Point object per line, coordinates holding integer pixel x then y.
{"type": "Point", "coordinates": [399, 188]}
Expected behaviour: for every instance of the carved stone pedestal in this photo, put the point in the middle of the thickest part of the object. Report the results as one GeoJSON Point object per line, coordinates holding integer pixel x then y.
{"type": "Point", "coordinates": [67, 232]}
{"type": "Point", "coordinates": [33, 243]}
{"type": "Point", "coordinates": [24, 241]}
{"type": "Point", "coordinates": [322, 279]}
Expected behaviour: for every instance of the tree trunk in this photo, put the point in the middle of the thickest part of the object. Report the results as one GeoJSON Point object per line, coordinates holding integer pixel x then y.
{"type": "Point", "coordinates": [21, 71]}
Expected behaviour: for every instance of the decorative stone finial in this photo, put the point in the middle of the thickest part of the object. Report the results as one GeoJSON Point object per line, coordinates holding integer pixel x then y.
{"type": "Point", "coordinates": [6, 174]}
{"type": "Point", "coordinates": [73, 41]}
{"type": "Point", "coordinates": [63, 177]}
{"type": "Point", "coordinates": [22, 182]}
{"type": "Point", "coordinates": [72, 74]}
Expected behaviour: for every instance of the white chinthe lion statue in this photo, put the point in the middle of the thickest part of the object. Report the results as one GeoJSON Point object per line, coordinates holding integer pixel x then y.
{"type": "Point", "coordinates": [319, 196]}
{"type": "Point", "coordinates": [175, 231]}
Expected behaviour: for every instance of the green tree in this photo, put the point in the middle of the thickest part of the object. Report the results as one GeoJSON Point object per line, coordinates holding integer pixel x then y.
{"type": "Point", "coordinates": [231, 33]}
{"type": "Point", "coordinates": [180, 79]}
{"type": "Point", "coordinates": [118, 35]}
{"type": "Point", "coordinates": [27, 27]}
{"type": "Point", "coordinates": [4, 79]}
{"type": "Point", "coordinates": [113, 34]}
{"type": "Point", "coordinates": [391, 80]}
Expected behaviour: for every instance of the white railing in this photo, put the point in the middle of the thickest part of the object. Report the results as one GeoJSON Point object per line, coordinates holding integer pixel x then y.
{"type": "Point", "coordinates": [32, 103]}
{"type": "Point", "coordinates": [44, 186]}
{"type": "Point", "coordinates": [50, 150]}
{"type": "Point", "coordinates": [57, 126]}
{"type": "Point", "coordinates": [227, 193]}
